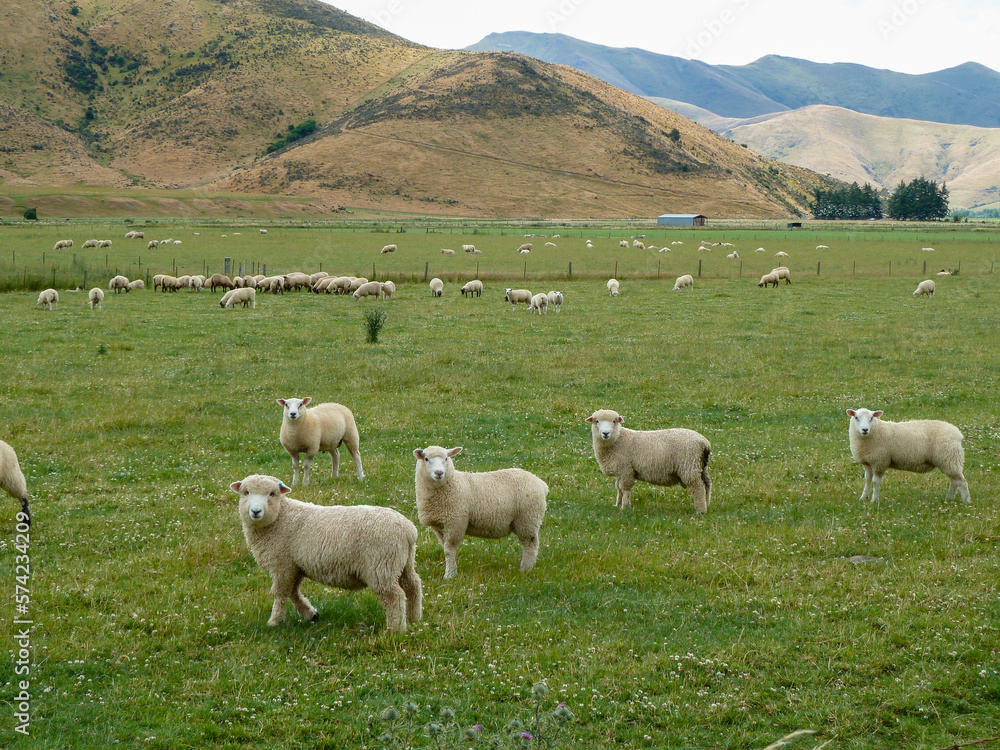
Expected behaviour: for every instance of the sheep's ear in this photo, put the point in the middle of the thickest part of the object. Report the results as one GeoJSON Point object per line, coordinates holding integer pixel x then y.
{"type": "Point", "coordinates": [284, 488]}
{"type": "Point", "coordinates": [454, 451]}
{"type": "Point", "coordinates": [280, 401]}
{"type": "Point", "coordinates": [876, 414]}
{"type": "Point", "coordinates": [850, 412]}
{"type": "Point", "coordinates": [307, 400]}
{"type": "Point", "coordinates": [235, 486]}
{"type": "Point", "coordinates": [418, 452]}
{"type": "Point", "coordinates": [590, 419]}
{"type": "Point", "coordinates": [620, 420]}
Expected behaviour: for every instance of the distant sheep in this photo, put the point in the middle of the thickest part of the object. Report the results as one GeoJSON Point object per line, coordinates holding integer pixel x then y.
{"type": "Point", "coordinates": [781, 254]}
{"type": "Point", "coordinates": [555, 299]}
{"type": "Point", "coordinates": [356, 283]}
{"type": "Point", "coordinates": [49, 298]}
{"type": "Point", "coordinates": [263, 231]}
{"type": "Point", "coordinates": [437, 287]}
{"type": "Point", "coordinates": [943, 272]}
{"type": "Point", "coordinates": [447, 251]}
{"type": "Point", "coordinates": [104, 243]}
{"type": "Point", "coordinates": [525, 248]}
{"type": "Point", "coordinates": [733, 256]}
{"type": "Point", "coordinates": [622, 243]}
{"type": "Point", "coordinates": [12, 481]}
{"type": "Point", "coordinates": [927, 249]}
{"type": "Point", "coordinates": [119, 284]}
{"type": "Point", "coordinates": [783, 273]}
{"type": "Point", "coordinates": [550, 244]}
{"type": "Point", "coordinates": [388, 249]}
{"type": "Point", "coordinates": [638, 245]}
{"type": "Point", "coordinates": [369, 289]}
{"type": "Point", "coordinates": [822, 247]}
{"type": "Point", "coordinates": [219, 281]}
{"type": "Point", "coordinates": [321, 429]}
{"type": "Point", "coordinates": [539, 304]}
{"type": "Point", "coordinates": [90, 243]}
{"type": "Point", "coordinates": [661, 457]}
{"type": "Point", "coordinates": [760, 250]}
{"type": "Point", "coordinates": [613, 287]}
{"type": "Point", "coordinates": [665, 249]}
{"type": "Point", "coordinates": [919, 445]}
{"type": "Point", "coordinates": [348, 547]}
{"type": "Point", "coordinates": [96, 297]}
{"type": "Point", "coordinates": [247, 296]}
{"type": "Point", "coordinates": [152, 244]}
{"type": "Point", "coordinates": [388, 289]}
{"type": "Point", "coordinates": [137, 284]}
{"type": "Point", "coordinates": [684, 282]}
{"type": "Point", "coordinates": [925, 287]}
{"type": "Point", "coordinates": [62, 244]}
{"type": "Point", "coordinates": [515, 296]}
{"type": "Point", "coordinates": [769, 278]}
{"type": "Point", "coordinates": [473, 288]}
{"type": "Point", "coordinates": [487, 505]}
{"type": "Point", "coordinates": [469, 248]}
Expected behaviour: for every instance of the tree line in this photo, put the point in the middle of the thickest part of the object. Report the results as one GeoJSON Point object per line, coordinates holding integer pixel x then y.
{"type": "Point", "coordinates": [920, 199]}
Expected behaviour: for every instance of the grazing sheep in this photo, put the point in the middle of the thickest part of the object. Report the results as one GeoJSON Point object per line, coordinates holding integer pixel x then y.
{"type": "Point", "coordinates": [927, 249]}
{"type": "Point", "coordinates": [447, 251]}
{"type": "Point", "coordinates": [437, 287]}
{"type": "Point", "coordinates": [263, 231]}
{"type": "Point", "coordinates": [130, 235]}
{"type": "Point", "coordinates": [769, 278]}
{"type": "Point", "coordinates": [341, 284]}
{"type": "Point", "coordinates": [677, 242]}
{"type": "Point", "coordinates": [925, 287]}
{"type": "Point", "coordinates": [919, 445]}
{"type": "Point", "coordinates": [152, 244]}
{"type": "Point", "coordinates": [638, 245]}
{"type": "Point", "coordinates": [514, 296]}
{"type": "Point", "coordinates": [12, 480]}
{"type": "Point", "coordinates": [49, 298]}
{"type": "Point", "coordinates": [539, 303]}
{"type": "Point", "coordinates": [525, 248]}
{"type": "Point", "coordinates": [356, 283]}
{"type": "Point", "coordinates": [170, 284]}
{"type": "Point", "coordinates": [197, 283]}
{"type": "Point", "coordinates": [760, 250]}
{"type": "Point", "coordinates": [388, 249]}
{"type": "Point", "coordinates": [246, 296]}
{"type": "Point", "coordinates": [137, 284]}
{"type": "Point", "coordinates": [662, 457]}
{"type": "Point", "coordinates": [104, 243]}
{"type": "Point", "coordinates": [274, 284]}
{"type": "Point", "coordinates": [219, 280]}
{"type": "Point", "coordinates": [613, 287]}
{"type": "Point", "coordinates": [469, 248]}
{"type": "Point", "coordinates": [313, 277]}
{"type": "Point", "coordinates": [822, 247]}
{"type": "Point", "coordinates": [550, 244]}
{"type": "Point", "coordinates": [943, 272]}
{"type": "Point", "coordinates": [472, 288]}
{"type": "Point", "coordinates": [90, 243]}
{"type": "Point", "coordinates": [119, 284]}
{"type": "Point", "coordinates": [321, 429]}
{"type": "Point", "coordinates": [324, 285]}
{"type": "Point", "coordinates": [62, 244]}
{"type": "Point", "coordinates": [622, 243]}
{"type": "Point", "coordinates": [703, 249]}
{"type": "Point", "coordinates": [225, 298]}
{"type": "Point", "coordinates": [371, 288]}
{"type": "Point", "coordinates": [555, 299]}
{"type": "Point", "coordinates": [388, 289]}
{"type": "Point", "coordinates": [687, 280]}
{"type": "Point", "coordinates": [733, 256]}
{"type": "Point", "coordinates": [96, 297]}
{"type": "Point", "coordinates": [487, 505]}
{"type": "Point", "coordinates": [783, 273]}
{"type": "Point", "coordinates": [298, 280]}
{"type": "Point", "coordinates": [347, 547]}
{"type": "Point", "coordinates": [157, 281]}
{"type": "Point", "coordinates": [665, 250]}
{"type": "Point", "coordinates": [781, 254]}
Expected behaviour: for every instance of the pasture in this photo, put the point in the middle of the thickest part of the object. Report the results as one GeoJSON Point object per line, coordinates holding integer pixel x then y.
{"type": "Point", "coordinates": [657, 628]}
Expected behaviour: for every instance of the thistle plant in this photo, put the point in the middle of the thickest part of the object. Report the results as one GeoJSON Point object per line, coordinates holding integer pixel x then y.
{"type": "Point", "coordinates": [374, 323]}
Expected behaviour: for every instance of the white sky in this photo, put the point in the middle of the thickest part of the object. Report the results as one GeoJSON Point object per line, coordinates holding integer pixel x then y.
{"type": "Point", "coordinates": [911, 36]}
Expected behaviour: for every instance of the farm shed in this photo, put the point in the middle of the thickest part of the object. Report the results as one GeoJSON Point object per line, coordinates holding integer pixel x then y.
{"type": "Point", "coordinates": [681, 220]}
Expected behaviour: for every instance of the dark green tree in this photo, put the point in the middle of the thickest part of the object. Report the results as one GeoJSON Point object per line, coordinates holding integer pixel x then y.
{"type": "Point", "coordinates": [31, 214]}
{"type": "Point", "coordinates": [920, 199]}
{"type": "Point", "coordinates": [851, 202]}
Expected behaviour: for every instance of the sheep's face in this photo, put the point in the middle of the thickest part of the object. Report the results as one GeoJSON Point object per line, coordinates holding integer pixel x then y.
{"type": "Point", "coordinates": [863, 420]}
{"type": "Point", "coordinates": [506, 294]}
{"type": "Point", "coordinates": [436, 461]}
{"type": "Point", "coordinates": [605, 425]}
{"type": "Point", "coordinates": [294, 407]}
{"type": "Point", "coordinates": [260, 498]}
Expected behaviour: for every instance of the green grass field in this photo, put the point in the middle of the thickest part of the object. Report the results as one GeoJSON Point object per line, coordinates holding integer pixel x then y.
{"type": "Point", "coordinates": [656, 628]}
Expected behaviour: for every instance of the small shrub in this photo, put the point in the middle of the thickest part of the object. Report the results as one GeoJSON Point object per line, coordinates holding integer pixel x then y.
{"type": "Point", "coordinates": [374, 323]}
{"type": "Point", "coordinates": [31, 214]}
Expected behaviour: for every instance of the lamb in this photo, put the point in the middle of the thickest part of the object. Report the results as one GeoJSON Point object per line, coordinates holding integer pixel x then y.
{"type": "Point", "coordinates": [613, 287]}
{"type": "Point", "coordinates": [822, 247]}
{"type": "Point", "coordinates": [661, 457]}
{"type": "Point", "coordinates": [371, 288]}
{"type": "Point", "coordinates": [217, 280]}
{"type": "Point", "coordinates": [388, 249]}
{"type": "Point", "coordinates": [539, 303]}
{"type": "Point", "coordinates": [137, 284]}
{"type": "Point", "coordinates": [555, 299]}
{"type": "Point", "coordinates": [783, 273]}
{"type": "Point", "coordinates": [919, 445]}
{"type": "Point", "coordinates": [733, 256]}
{"type": "Point", "coordinates": [447, 251]}
{"type": "Point", "coordinates": [487, 505]}
{"type": "Point", "coordinates": [388, 289]}
{"type": "Point", "coordinates": [263, 231]}
{"type": "Point", "coordinates": [49, 298]}
{"type": "Point", "coordinates": [437, 287]}
{"type": "Point", "coordinates": [685, 281]}
{"type": "Point", "coordinates": [12, 481]}
{"type": "Point", "coordinates": [473, 288]}
{"type": "Point", "coordinates": [925, 287]}
{"type": "Point", "coordinates": [118, 284]}
{"type": "Point", "coordinates": [638, 245]}
{"type": "Point", "coordinates": [62, 244]}
{"type": "Point", "coordinates": [514, 296]}
{"type": "Point", "coordinates": [246, 295]}
{"type": "Point", "coordinates": [321, 429]}
{"type": "Point", "coordinates": [96, 297]}
{"type": "Point", "coordinates": [107, 243]}
{"type": "Point", "coordinates": [769, 278]}
{"type": "Point", "coordinates": [550, 244]}
{"type": "Point", "coordinates": [347, 547]}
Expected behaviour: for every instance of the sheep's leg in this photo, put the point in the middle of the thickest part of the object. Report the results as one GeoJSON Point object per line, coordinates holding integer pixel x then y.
{"type": "Point", "coordinates": [283, 585]}
{"type": "Point", "coordinates": [958, 484]}
{"type": "Point", "coordinates": [306, 465]}
{"type": "Point", "coordinates": [355, 451]}
{"type": "Point", "coordinates": [624, 485]}
{"type": "Point", "coordinates": [410, 583]}
{"type": "Point", "coordinates": [295, 468]}
{"type": "Point", "coordinates": [450, 544]}
{"type": "Point", "coordinates": [335, 455]}
{"type": "Point", "coordinates": [394, 602]}
{"type": "Point", "coordinates": [530, 543]}
{"type": "Point", "coordinates": [876, 481]}
{"type": "Point", "coordinates": [700, 494]}
{"type": "Point", "coordinates": [303, 605]}
{"type": "Point", "coordinates": [868, 482]}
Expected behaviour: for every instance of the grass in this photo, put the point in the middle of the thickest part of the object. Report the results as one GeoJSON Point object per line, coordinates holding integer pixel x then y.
{"type": "Point", "coordinates": [656, 627]}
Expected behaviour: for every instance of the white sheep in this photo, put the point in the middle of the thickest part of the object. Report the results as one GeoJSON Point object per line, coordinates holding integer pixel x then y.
{"type": "Point", "coordinates": [769, 278]}
{"type": "Point", "coordinates": [388, 249]}
{"type": "Point", "coordinates": [246, 296]}
{"type": "Point", "coordinates": [919, 445]}
{"type": "Point", "coordinates": [152, 244]}
{"type": "Point", "coordinates": [525, 248]}
{"type": "Point", "coordinates": [12, 481]}
{"type": "Point", "coordinates": [665, 249]}
{"type": "Point", "coordinates": [89, 243]}
{"type": "Point", "coordinates": [943, 272]}
{"type": "Point", "coordinates": [733, 256]}
{"type": "Point", "coordinates": [925, 287]}
{"type": "Point", "coordinates": [469, 248]}
{"type": "Point", "coordinates": [822, 247]}
{"type": "Point", "coordinates": [622, 243]}
{"type": "Point", "coordinates": [781, 254]}
{"type": "Point", "coordinates": [96, 297]}
{"type": "Point", "coordinates": [118, 284]}
{"type": "Point", "coordinates": [321, 429]}
{"type": "Point", "coordinates": [369, 289]}
{"type": "Point", "coordinates": [514, 296]}
{"type": "Point", "coordinates": [447, 251]}
{"type": "Point", "coordinates": [62, 244]}
{"type": "Point", "coordinates": [760, 250]}
{"type": "Point", "coordinates": [555, 299]}
{"type": "Point", "coordinates": [685, 281]}
{"type": "Point", "coordinates": [104, 243]}
{"type": "Point", "coordinates": [437, 287]}
{"type": "Point", "coordinates": [49, 298]}
{"type": "Point", "coordinates": [677, 242]}
{"type": "Point", "coordinates": [197, 283]}
{"type": "Point", "coordinates": [539, 303]}
{"type": "Point", "coordinates": [613, 287]}
{"type": "Point", "coordinates": [487, 505]}
{"type": "Point", "coordinates": [388, 289]}
{"type": "Point", "coordinates": [137, 284]}
{"type": "Point", "coordinates": [783, 273]}
{"type": "Point", "coordinates": [550, 244]}
{"type": "Point", "coordinates": [927, 249]}
{"type": "Point", "coordinates": [472, 288]}
{"type": "Point", "coordinates": [638, 245]}
{"type": "Point", "coordinates": [348, 547]}
{"type": "Point", "coordinates": [263, 231]}
{"type": "Point", "coordinates": [356, 283]}
{"type": "Point", "coordinates": [661, 457]}
{"type": "Point", "coordinates": [313, 277]}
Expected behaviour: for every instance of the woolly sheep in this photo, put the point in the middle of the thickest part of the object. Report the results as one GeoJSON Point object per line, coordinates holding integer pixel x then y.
{"type": "Point", "coordinates": [197, 283]}
{"type": "Point", "coordinates": [927, 249]}
{"type": "Point", "coordinates": [638, 245]}
{"type": "Point", "coordinates": [760, 250]}
{"type": "Point", "coordinates": [225, 298]}
{"type": "Point", "coordinates": [487, 505]}
{"type": "Point", "coordinates": [472, 288]}
{"type": "Point", "coordinates": [388, 289]}
{"type": "Point", "coordinates": [137, 284]}
{"type": "Point", "coordinates": [769, 278]}
{"type": "Point", "coordinates": [185, 281]}
{"type": "Point", "coordinates": [783, 273]}
{"type": "Point", "coordinates": [157, 281]}
{"type": "Point", "coordinates": [104, 243]}
{"type": "Point", "coordinates": [555, 299]}
{"type": "Point", "coordinates": [263, 231]}
{"type": "Point", "coordinates": [61, 244]}
{"type": "Point", "coordinates": [539, 304]}
{"type": "Point", "coordinates": [822, 247]}
{"type": "Point", "coordinates": [248, 281]}
{"type": "Point", "coordinates": [704, 249]}
{"type": "Point", "coordinates": [96, 297]}
{"type": "Point", "coordinates": [622, 243]}
{"type": "Point", "coordinates": [297, 280]}
{"type": "Point", "coordinates": [356, 283]}
{"type": "Point", "coordinates": [169, 283]}
{"type": "Point", "coordinates": [469, 248]}
{"type": "Point", "coordinates": [321, 429]}
{"type": "Point", "coordinates": [437, 287]}
{"type": "Point", "coordinates": [314, 277]}
{"type": "Point", "coordinates": [550, 244]}
{"type": "Point", "coordinates": [943, 272]}
{"type": "Point", "coordinates": [118, 284]}
{"type": "Point", "coordinates": [661, 457]}
{"type": "Point", "coordinates": [274, 284]}
{"type": "Point", "coordinates": [152, 244]}
{"type": "Point", "coordinates": [514, 296]}
{"type": "Point", "coordinates": [677, 242]}
{"type": "Point", "coordinates": [370, 289]}
{"type": "Point", "coordinates": [12, 480]}
{"type": "Point", "coordinates": [217, 280]}
{"type": "Point", "coordinates": [341, 284]}
{"type": "Point", "coordinates": [687, 280]}
{"type": "Point", "coordinates": [919, 445]}
{"type": "Point", "coordinates": [613, 287]}
{"type": "Point", "coordinates": [665, 250]}
{"type": "Point", "coordinates": [447, 251]}
{"type": "Point", "coordinates": [781, 254]}
{"type": "Point", "coordinates": [89, 243]}
{"type": "Point", "coordinates": [246, 296]}
{"type": "Point", "coordinates": [525, 248]}
{"type": "Point", "coordinates": [925, 287]}
{"type": "Point", "coordinates": [347, 547]}
{"type": "Point", "coordinates": [49, 298]}
{"type": "Point", "coordinates": [324, 285]}
{"type": "Point", "coordinates": [388, 249]}
{"type": "Point", "coordinates": [733, 255]}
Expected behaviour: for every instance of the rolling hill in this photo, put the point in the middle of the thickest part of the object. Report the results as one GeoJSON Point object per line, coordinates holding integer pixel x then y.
{"type": "Point", "coordinates": [202, 95]}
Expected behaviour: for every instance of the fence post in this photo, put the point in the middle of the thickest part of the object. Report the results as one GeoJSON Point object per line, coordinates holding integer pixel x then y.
{"type": "Point", "coordinates": [53, 276]}
{"type": "Point", "coordinates": [925, 268]}
{"type": "Point", "coordinates": [570, 269]}
{"type": "Point", "coordinates": [960, 266]}
{"type": "Point", "coordinates": [658, 268]}
{"type": "Point", "coordinates": [699, 268]}
{"type": "Point", "coordinates": [426, 265]}
{"type": "Point", "coordinates": [525, 269]}
{"type": "Point", "coordinates": [817, 267]}
{"type": "Point", "coordinates": [373, 270]}
{"type": "Point", "coordinates": [855, 268]}
{"type": "Point", "coordinates": [43, 258]}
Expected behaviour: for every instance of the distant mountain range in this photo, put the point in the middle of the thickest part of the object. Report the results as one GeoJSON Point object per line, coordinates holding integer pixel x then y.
{"type": "Point", "coordinates": [968, 94]}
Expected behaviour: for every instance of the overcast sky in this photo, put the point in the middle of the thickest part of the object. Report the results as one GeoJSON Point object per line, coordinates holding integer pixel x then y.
{"type": "Point", "coordinates": [911, 36]}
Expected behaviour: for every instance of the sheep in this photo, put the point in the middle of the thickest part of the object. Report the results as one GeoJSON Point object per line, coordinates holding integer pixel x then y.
{"type": "Point", "coordinates": [943, 272]}
{"type": "Point", "coordinates": [822, 247]}
{"type": "Point", "coordinates": [197, 283]}
{"type": "Point", "coordinates": [638, 245]}
{"type": "Point", "coordinates": [760, 250]}
{"type": "Point", "coordinates": [263, 231]}
{"type": "Point", "coordinates": [118, 284]}
{"type": "Point", "coordinates": [677, 242]}
{"type": "Point", "coordinates": [323, 285]}
{"type": "Point", "coordinates": [388, 289]}
{"type": "Point", "coordinates": [130, 235]}
{"type": "Point", "coordinates": [555, 299]}
{"type": "Point", "coordinates": [622, 243]}
{"type": "Point", "coordinates": [613, 287]}
{"type": "Point", "coordinates": [297, 280]}
{"type": "Point", "coordinates": [514, 296]}
{"type": "Point", "coordinates": [96, 297]}
{"type": "Point", "coordinates": [62, 244]}
{"type": "Point", "coordinates": [356, 283]}
{"type": "Point", "coordinates": [919, 445]}
{"type": "Point", "coordinates": [769, 278]}
{"type": "Point", "coordinates": [437, 287]}
{"type": "Point", "coordinates": [90, 243]}
{"type": "Point", "coordinates": [49, 298]}
{"type": "Point", "coordinates": [321, 429]}
{"type": "Point", "coordinates": [927, 249]}
{"type": "Point", "coordinates": [157, 281]}
{"type": "Point", "coordinates": [137, 284]}
{"type": "Point", "coordinates": [388, 249]}
{"type": "Point", "coordinates": [539, 304]}
{"type": "Point", "coordinates": [314, 277]}
{"type": "Point", "coordinates": [476, 251]}
{"type": "Point", "coordinates": [447, 251]}
{"type": "Point", "coordinates": [733, 256]}
{"type": "Point", "coordinates": [342, 284]}
{"type": "Point", "coordinates": [225, 298]}
{"type": "Point", "coordinates": [469, 248]}
{"type": "Point", "coordinates": [274, 284]}
{"type": "Point", "coordinates": [472, 288]}
{"type": "Point", "coordinates": [104, 243]}
{"type": "Point", "coordinates": [347, 547]}
{"type": "Point", "coordinates": [217, 280]}
{"type": "Point", "coordinates": [661, 457]}
{"type": "Point", "coordinates": [247, 296]}
{"type": "Point", "coordinates": [687, 280]}
{"type": "Point", "coordinates": [525, 248]}
{"type": "Point", "coordinates": [703, 249]}
{"type": "Point", "coordinates": [248, 281]}
{"type": "Point", "coordinates": [371, 288]}
{"type": "Point", "coordinates": [665, 250]}
{"type": "Point", "coordinates": [185, 281]}
{"type": "Point", "coordinates": [152, 244]}
{"type": "Point", "coordinates": [487, 505]}
{"type": "Point", "coordinates": [170, 283]}
{"type": "Point", "coordinates": [925, 287]}
{"type": "Point", "coordinates": [550, 244]}
{"type": "Point", "coordinates": [783, 273]}
{"type": "Point", "coordinates": [12, 481]}
{"type": "Point", "coordinates": [781, 254]}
